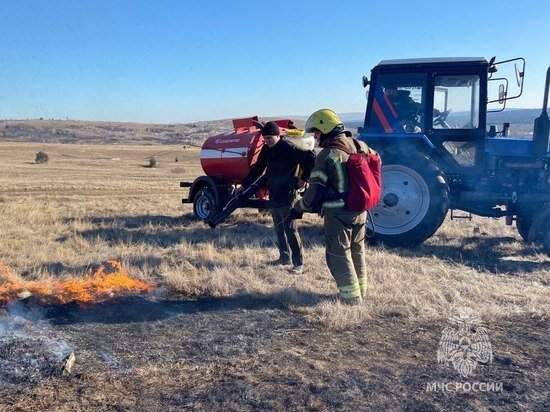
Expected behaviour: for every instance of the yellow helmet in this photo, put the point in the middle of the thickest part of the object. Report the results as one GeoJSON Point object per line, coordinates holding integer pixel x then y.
{"type": "Point", "coordinates": [324, 120]}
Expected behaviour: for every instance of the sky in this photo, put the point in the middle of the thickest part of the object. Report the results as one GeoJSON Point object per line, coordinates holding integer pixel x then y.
{"type": "Point", "coordinates": [185, 61]}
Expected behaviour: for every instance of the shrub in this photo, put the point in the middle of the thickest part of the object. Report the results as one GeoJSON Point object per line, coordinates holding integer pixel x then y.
{"type": "Point", "coordinates": [152, 162]}
{"type": "Point", "coordinates": [41, 157]}
{"type": "Point", "coordinates": [176, 159]}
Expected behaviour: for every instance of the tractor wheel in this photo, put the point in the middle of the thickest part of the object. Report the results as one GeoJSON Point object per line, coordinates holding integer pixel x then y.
{"type": "Point", "coordinates": [414, 200]}
{"type": "Point", "coordinates": [540, 229]}
{"type": "Point", "coordinates": [205, 206]}
{"type": "Point", "coordinates": [523, 225]}
{"type": "Point", "coordinates": [546, 236]}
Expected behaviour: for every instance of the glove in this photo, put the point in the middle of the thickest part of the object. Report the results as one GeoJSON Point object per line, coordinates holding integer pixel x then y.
{"type": "Point", "coordinates": [302, 184]}
{"type": "Point", "coordinates": [292, 215]}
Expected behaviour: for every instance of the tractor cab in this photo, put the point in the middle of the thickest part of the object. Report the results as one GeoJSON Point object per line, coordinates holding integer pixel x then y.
{"type": "Point", "coordinates": [428, 120]}
{"type": "Point", "coordinates": [440, 104]}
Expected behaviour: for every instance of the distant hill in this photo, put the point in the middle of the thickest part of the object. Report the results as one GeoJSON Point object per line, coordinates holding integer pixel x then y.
{"type": "Point", "coordinates": [508, 115]}
{"type": "Point", "coordinates": [514, 116]}
{"type": "Point", "coordinates": [352, 117]}
{"type": "Point", "coordinates": [518, 118]}
{"type": "Point", "coordinates": [90, 132]}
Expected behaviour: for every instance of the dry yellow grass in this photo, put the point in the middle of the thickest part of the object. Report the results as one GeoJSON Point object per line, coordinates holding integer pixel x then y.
{"type": "Point", "coordinates": [241, 349]}
{"type": "Point", "coordinates": [91, 203]}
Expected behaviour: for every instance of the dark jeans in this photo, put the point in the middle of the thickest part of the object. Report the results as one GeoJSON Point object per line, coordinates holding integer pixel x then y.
{"type": "Point", "coordinates": [287, 236]}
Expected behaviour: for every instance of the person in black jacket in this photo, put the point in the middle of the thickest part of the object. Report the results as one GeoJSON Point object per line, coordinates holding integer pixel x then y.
{"type": "Point", "coordinates": [281, 161]}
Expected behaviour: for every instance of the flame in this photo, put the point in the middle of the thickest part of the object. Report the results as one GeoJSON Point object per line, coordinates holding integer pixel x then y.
{"type": "Point", "coordinates": [105, 282]}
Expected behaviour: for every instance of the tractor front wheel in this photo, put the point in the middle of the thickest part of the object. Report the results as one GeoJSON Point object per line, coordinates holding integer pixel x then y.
{"type": "Point", "coordinates": [523, 225]}
{"type": "Point", "coordinates": [540, 229]}
{"type": "Point", "coordinates": [414, 200]}
{"type": "Point", "coordinates": [546, 236]}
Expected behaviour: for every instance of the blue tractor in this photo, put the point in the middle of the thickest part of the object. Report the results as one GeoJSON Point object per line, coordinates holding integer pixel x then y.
{"type": "Point", "coordinates": [428, 120]}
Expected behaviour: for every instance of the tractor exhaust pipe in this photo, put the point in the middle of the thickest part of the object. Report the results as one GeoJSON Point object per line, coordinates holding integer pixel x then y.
{"type": "Point", "coordinates": [545, 101]}
{"type": "Point", "coordinates": [541, 130]}
{"type": "Point", "coordinates": [237, 201]}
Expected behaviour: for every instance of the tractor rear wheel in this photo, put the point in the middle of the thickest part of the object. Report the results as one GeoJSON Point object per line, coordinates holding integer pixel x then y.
{"type": "Point", "coordinates": [414, 200]}
{"type": "Point", "coordinates": [205, 206]}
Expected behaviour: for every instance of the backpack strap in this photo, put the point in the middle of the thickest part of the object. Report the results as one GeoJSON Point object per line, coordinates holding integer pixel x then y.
{"type": "Point", "coordinates": [358, 147]}
{"type": "Point", "coordinates": [340, 146]}
{"type": "Point", "coordinates": [344, 148]}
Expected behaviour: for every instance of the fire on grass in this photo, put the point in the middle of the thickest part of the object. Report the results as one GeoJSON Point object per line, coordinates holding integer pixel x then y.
{"type": "Point", "coordinates": [107, 281]}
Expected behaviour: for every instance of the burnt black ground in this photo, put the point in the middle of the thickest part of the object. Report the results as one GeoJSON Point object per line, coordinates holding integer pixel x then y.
{"type": "Point", "coordinates": [251, 353]}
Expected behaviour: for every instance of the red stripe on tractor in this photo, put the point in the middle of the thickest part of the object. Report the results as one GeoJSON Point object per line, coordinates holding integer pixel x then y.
{"type": "Point", "coordinates": [390, 105]}
{"type": "Point", "coordinates": [381, 117]}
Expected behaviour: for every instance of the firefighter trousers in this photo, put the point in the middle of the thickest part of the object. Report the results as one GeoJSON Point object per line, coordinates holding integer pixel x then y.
{"type": "Point", "coordinates": [345, 253]}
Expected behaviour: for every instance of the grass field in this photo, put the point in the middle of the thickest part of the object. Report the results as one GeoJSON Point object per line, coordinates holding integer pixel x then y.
{"type": "Point", "coordinates": [225, 331]}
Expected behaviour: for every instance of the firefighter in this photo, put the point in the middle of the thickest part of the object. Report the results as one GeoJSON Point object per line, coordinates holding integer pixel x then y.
{"type": "Point", "coordinates": [344, 229]}
{"type": "Point", "coordinates": [282, 161]}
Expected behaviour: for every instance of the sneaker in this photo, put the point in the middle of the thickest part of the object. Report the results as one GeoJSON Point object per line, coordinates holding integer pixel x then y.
{"type": "Point", "coordinates": [297, 269]}
{"type": "Point", "coordinates": [279, 262]}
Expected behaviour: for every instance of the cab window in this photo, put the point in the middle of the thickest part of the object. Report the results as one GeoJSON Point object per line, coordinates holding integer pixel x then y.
{"type": "Point", "coordinates": [398, 105]}
{"type": "Point", "coordinates": [456, 102]}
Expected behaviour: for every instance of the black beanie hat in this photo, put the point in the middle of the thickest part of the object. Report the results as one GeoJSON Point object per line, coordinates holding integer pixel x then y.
{"type": "Point", "coordinates": [271, 129]}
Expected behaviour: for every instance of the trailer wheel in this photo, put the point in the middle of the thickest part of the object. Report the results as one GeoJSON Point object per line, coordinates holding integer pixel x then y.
{"type": "Point", "coordinates": [414, 200]}
{"type": "Point", "coordinates": [204, 204]}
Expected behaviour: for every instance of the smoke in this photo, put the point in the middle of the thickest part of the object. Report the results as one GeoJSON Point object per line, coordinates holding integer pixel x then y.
{"type": "Point", "coordinates": [30, 350]}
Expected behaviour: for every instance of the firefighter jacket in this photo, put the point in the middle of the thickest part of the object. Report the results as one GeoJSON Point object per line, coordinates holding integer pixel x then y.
{"type": "Point", "coordinates": [280, 163]}
{"type": "Point", "coordinates": [328, 183]}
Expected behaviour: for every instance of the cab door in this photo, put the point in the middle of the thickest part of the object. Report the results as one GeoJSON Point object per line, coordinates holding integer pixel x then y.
{"type": "Point", "coordinates": [455, 118]}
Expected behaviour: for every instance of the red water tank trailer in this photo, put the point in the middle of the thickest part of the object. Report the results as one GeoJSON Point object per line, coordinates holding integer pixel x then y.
{"type": "Point", "coordinates": [230, 155]}
{"type": "Point", "coordinates": [226, 159]}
